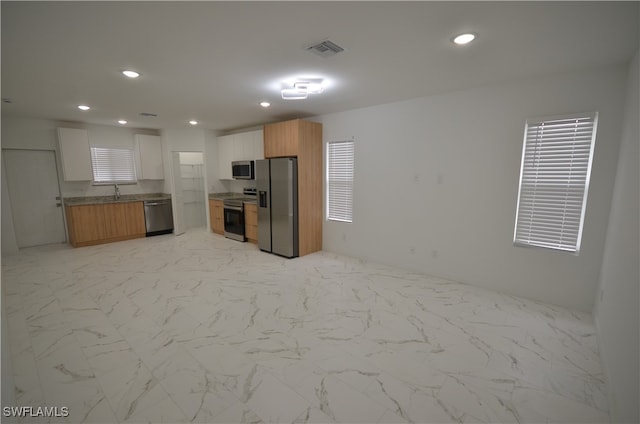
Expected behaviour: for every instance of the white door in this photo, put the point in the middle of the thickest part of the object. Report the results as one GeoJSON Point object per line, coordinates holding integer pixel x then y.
{"type": "Point", "coordinates": [177, 195]}
{"type": "Point", "coordinates": [32, 178]}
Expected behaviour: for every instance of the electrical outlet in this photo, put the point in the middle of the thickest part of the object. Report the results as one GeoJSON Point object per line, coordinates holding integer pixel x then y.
{"type": "Point", "coordinates": [439, 179]}
{"type": "Point", "coordinates": [434, 254]}
{"type": "Point", "coordinates": [344, 237]}
{"type": "Point", "coordinates": [412, 250]}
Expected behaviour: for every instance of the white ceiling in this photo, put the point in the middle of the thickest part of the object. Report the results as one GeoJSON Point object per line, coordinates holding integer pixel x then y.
{"type": "Point", "coordinates": [215, 61]}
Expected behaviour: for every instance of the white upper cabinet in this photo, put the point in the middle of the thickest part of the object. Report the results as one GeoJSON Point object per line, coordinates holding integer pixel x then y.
{"type": "Point", "coordinates": [225, 156]}
{"type": "Point", "coordinates": [258, 144]}
{"type": "Point", "coordinates": [252, 146]}
{"type": "Point", "coordinates": [149, 157]}
{"type": "Point", "coordinates": [75, 154]}
{"type": "Point", "coordinates": [241, 146]}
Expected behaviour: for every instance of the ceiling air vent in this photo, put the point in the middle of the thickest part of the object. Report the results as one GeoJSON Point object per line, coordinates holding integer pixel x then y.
{"type": "Point", "coordinates": [153, 115]}
{"type": "Point", "coordinates": [325, 49]}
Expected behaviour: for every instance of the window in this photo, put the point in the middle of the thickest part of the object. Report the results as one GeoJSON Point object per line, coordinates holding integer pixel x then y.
{"type": "Point", "coordinates": [340, 180]}
{"type": "Point", "coordinates": [112, 166]}
{"type": "Point", "coordinates": [554, 181]}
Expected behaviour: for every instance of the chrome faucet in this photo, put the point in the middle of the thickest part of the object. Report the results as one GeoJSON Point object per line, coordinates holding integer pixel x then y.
{"type": "Point", "coordinates": [116, 196]}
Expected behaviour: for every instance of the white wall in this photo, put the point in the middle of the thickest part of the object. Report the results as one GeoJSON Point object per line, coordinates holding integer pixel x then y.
{"type": "Point", "coordinates": [8, 387]}
{"type": "Point", "coordinates": [181, 140]}
{"type": "Point", "coordinates": [9, 242]}
{"type": "Point", "coordinates": [616, 310]}
{"type": "Point", "coordinates": [211, 157]}
{"type": "Point", "coordinates": [436, 182]}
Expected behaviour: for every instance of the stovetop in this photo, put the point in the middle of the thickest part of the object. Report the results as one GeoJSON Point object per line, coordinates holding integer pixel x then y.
{"type": "Point", "coordinates": [248, 196]}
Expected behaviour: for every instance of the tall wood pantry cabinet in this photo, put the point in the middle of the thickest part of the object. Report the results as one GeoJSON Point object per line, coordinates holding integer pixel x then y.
{"type": "Point", "coordinates": [302, 139]}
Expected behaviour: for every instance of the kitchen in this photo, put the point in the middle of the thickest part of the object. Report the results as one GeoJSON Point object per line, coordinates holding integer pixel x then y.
{"type": "Point", "coordinates": [435, 189]}
{"type": "Point", "coordinates": [236, 160]}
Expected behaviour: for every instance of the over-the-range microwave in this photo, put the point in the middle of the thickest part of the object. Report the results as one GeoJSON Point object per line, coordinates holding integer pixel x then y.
{"type": "Point", "coordinates": [243, 170]}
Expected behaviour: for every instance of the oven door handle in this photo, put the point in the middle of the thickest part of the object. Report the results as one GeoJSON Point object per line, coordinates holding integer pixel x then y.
{"type": "Point", "coordinates": [234, 208]}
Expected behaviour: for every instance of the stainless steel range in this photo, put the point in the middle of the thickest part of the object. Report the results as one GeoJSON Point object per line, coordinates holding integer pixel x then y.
{"type": "Point", "coordinates": [234, 215]}
{"type": "Point", "coordinates": [234, 219]}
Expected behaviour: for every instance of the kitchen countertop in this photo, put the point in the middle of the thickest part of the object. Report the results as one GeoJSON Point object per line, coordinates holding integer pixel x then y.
{"type": "Point", "coordinates": [226, 196]}
{"type": "Point", "coordinates": [95, 200]}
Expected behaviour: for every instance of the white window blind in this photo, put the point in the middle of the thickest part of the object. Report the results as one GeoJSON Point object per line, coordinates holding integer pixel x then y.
{"type": "Point", "coordinates": [554, 181]}
{"type": "Point", "coordinates": [112, 166]}
{"type": "Point", "coordinates": [340, 180]}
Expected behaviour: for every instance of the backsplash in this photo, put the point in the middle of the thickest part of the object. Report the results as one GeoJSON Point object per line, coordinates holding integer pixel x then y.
{"type": "Point", "coordinates": [230, 186]}
{"type": "Point", "coordinates": [85, 188]}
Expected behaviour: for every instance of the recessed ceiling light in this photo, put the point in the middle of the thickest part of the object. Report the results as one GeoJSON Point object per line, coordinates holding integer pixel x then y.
{"type": "Point", "coordinates": [83, 107]}
{"type": "Point", "coordinates": [463, 39]}
{"type": "Point", "coordinates": [193, 122]}
{"type": "Point", "coordinates": [131, 74]}
{"type": "Point", "coordinates": [265, 104]}
{"type": "Point", "coordinates": [122, 122]}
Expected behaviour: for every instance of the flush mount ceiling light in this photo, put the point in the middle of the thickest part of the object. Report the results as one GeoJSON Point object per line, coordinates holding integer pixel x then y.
{"type": "Point", "coordinates": [265, 104]}
{"type": "Point", "coordinates": [130, 74]}
{"type": "Point", "coordinates": [463, 39]}
{"type": "Point", "coordinates": [193, 122]}
{"type": "Point", "coordinates": [122, 122]}
{"type": "Point", "coordinates": [83, 107]}
{"type": "Point", "coordinates": [302, 87]}
{"type": "Point", "coordinates": [294, 94]}
{"type": "Point", "coordinates": [312, 86]}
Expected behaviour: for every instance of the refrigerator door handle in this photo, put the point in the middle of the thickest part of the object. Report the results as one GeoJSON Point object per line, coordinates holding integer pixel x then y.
{"type": "Point", "coordinates": [290, 192]}
{"type": "Point", "coordinates": [263, 199]}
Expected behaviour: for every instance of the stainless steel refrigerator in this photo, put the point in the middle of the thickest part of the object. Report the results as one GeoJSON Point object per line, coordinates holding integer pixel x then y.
{"type": "Point", "coordinates": [277, 187]}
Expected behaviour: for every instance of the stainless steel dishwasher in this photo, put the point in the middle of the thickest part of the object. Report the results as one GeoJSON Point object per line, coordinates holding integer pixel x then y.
{"type": "Point", "coordinates": [158, 217]}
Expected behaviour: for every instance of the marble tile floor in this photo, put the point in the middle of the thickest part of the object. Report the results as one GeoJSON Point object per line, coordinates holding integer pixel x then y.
{"type": "Point", "coordinates": [199, 328]}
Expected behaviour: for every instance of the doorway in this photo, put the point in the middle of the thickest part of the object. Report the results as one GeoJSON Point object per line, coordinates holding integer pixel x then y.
{"type": "Point", "coordinates": [188, 191]}
{"type": "Point", "coordinates": [34, 192]}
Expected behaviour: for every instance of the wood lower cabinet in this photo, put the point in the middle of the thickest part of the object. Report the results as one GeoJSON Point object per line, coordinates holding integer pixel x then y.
{"type": "Point", "coordinates": [86, 224]}
{"type": "Point", "coordinates": [124, 219]}
{"type": "Point", "coordinates": [105, 223]}
{"type": "Point", "coordinates": [251, 222]}
{"type": "Point", "coordinates": [216, 212]}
